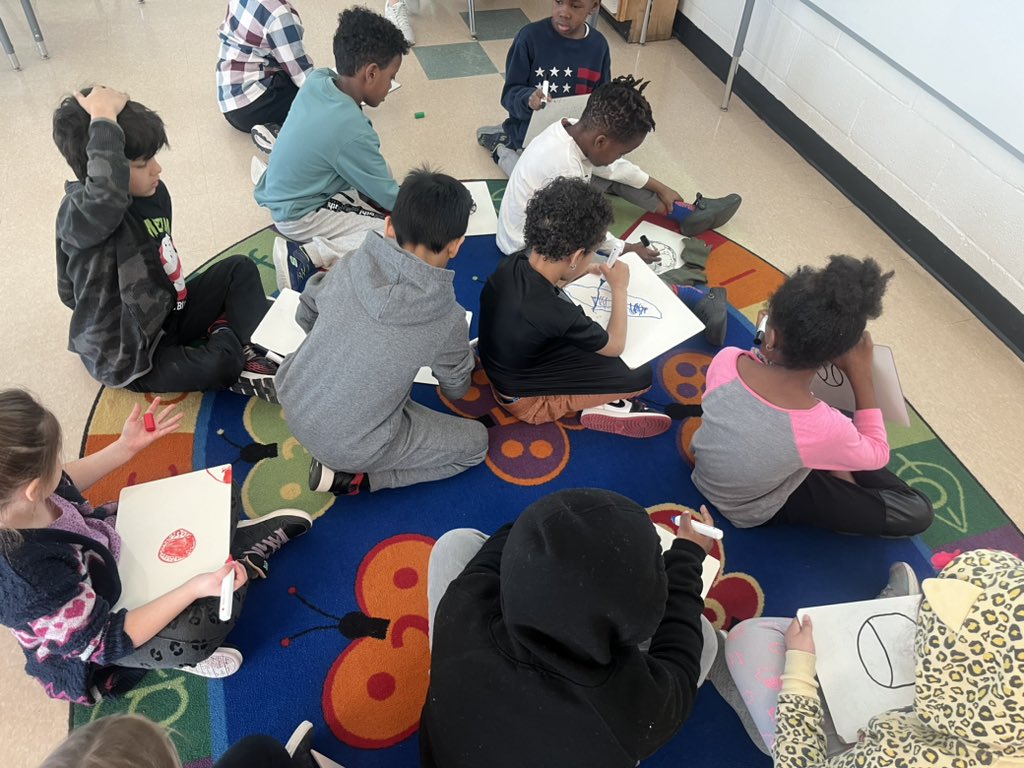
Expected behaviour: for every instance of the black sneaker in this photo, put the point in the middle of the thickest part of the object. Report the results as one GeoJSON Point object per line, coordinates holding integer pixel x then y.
{"type": "Point", "coordinates": [265, 136]}
{"type": "Point", "coordinates": [256, 384]}
{"type": "Point", "coordinates": [709, 213]}
{"type": "Point", "coordinates": [325, 480]}
{"type": "Point", "coordinates": [630, 418]}
{"type": "Point", "coordinates": [256, 540]}
{"type": "Point", "coordinates": [490, 137]}
{"type": "Point", "coordinates": [300, 746]}
{"type": "Point", "coordinates": [713, 311]}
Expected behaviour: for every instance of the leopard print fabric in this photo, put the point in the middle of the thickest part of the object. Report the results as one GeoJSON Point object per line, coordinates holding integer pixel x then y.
{"type": "Point", "coordinates": [969, 694]}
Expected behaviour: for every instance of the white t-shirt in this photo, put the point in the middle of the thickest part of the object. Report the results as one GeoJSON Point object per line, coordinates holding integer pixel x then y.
{"type": "Point", "coordinates": [552, 154]}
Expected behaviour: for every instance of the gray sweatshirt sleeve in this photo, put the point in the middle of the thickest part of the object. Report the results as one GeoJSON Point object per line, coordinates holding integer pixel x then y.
{"type": "Point", "coordinates": [307, 313]}
{"type": "Point", "coordinates": [455, 362]}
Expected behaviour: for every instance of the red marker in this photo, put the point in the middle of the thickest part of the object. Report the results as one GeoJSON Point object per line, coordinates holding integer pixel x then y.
{"type": "Point", "coordinates": [149, 421]}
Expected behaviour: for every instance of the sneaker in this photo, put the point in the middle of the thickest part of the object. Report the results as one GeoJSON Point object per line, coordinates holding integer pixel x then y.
{"type": "Point", "coordinates": [713, 311]}
{"type": "Point", "coordinates": [490, 137]}
{"type": "Point", "coordinates": [255, 384]}
{"type": "Point", "coordinates": [223, 662]}
{"type": "Point", "coordinates": [257, 363]}
{"type": "Point", "coordinates": [300, 746]}
{"type": "Point", "coordinates": [325, 480]}
{"type": "Point", "coordinates": [220, 324]}
{"type": "Point", "coordinates": [902, 582]}
{"type": "Point", "coordinates": [256, 540]}
{"type": "Point", "coordinates": [256, 170]}
{"type": "Point", "coordinates": [629, 418]}
{"type": "Point", "coordinates": [398, 14]}
{"type": "Point", "coordinates": [292, 265]}
{"type": "Point", "coordinates": [264, 136]}
{"type": "Point", "coordinates": [708, 213]}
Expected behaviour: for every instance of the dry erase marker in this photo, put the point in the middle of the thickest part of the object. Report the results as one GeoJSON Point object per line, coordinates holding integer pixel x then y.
{"type": "Point", "coordinates": [149, 421]}
{"type": "Point", "coordinates": [702, 528]}
{"type": "Point", "coordinates": [645, 241]}
{"type": "Point", "coordinates": [544, 87]}
{"type": "Point", "coordinates": [759, 336]}
{"type": "Point", "coordinates": [227, 593]}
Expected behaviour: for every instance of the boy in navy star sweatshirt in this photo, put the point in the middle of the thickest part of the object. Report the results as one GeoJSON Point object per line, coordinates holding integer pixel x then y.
{"type": "Point", "coordinates": [563, 50]}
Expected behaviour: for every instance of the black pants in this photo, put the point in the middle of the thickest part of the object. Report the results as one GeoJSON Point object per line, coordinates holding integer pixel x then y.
{"type": "Point", "coordinates": [878, 504]}
{"type": "Point", "coordinates": [255, 752]}
{"type": "Point", "coordinates": [231, 287]}
{"type": "Point", "coordinates": [271, 107]}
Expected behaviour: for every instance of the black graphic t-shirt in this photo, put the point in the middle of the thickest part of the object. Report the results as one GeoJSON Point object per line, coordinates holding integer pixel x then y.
{"type": "Point", "coordinates": [155, 214]}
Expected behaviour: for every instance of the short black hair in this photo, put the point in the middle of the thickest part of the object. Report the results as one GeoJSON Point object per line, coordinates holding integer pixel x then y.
{"type": "Point", "coordinates": [619, 109]}
{"type": "Point", "coordinates": [432, 209]}
{"type": "Point", "coordinates": [565, 216]}
{"type": "Point", "coordinates": [365, 37]}
{"type": "Point", "coordinates": [144, 133]}
{"type": "Point", "coordinates": [821, 313]}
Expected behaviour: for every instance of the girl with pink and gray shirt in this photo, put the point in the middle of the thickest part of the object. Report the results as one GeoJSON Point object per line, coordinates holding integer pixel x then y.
{"type": "Point", "coordinates": [769, 451]}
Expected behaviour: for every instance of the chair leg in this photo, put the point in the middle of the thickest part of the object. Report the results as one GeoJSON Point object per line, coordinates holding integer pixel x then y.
{"type": "Point", "coordinates": [8, 46]}
{"type": "Point", "coordinates": [33, 24]}
{"type": "Point", "coordinates": [472, 19]}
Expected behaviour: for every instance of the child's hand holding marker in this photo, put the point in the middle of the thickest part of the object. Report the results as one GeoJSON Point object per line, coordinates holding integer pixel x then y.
{"type": "Point", "coordinates": [700, 530]}
{"type": "Point", "coordinates": [540, 97]}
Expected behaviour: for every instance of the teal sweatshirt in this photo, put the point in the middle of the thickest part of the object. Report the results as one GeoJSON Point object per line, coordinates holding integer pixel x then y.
{"type": "Point", "coordinates": [326, 145]}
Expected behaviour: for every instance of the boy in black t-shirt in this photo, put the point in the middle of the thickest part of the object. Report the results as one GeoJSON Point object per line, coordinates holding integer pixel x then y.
{"type": "Point", "coordinates": [545, 358]}
{"type": "Point", "coordinates": [135, 322]}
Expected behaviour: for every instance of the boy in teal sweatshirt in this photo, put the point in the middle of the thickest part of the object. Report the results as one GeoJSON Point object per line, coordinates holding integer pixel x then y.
{"type": "Point", "coordinates": [327, 184]}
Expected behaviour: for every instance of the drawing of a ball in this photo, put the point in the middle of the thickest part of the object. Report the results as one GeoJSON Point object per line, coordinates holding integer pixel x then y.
{"type": "Point", "coordinates": [885, 644]}
{"type": "Point", "coordinates": [669, 258]}
{"type": "Point", "coordinates": [177, 546]}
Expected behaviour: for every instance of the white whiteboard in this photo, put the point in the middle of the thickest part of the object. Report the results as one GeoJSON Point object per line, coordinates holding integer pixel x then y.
{"type": "Point", "coordinates": [969, 54]}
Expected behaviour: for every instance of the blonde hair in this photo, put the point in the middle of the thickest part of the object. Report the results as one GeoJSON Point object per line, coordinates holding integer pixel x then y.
{"type": "Point", "coordinates": [117, 741]}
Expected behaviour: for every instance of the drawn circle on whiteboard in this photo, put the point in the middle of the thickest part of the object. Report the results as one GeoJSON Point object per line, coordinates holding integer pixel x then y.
{"type": "Point", "coordinates": [831, 375]}
{"type": "Point", "coordinates": [177, 546]}
{"type": "Point", "coordinates": [883, 640]}
{"type": "Point", "coordinates": [669, 258]}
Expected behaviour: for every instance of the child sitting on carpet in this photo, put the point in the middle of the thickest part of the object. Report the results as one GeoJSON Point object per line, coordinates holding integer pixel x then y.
{"type": "Point", "coordinates": [616, 121]}
{"type": "Point", "coordinates": [372, 322]}
{"type": "Point", "coordinates": [135, 322]}
{"type": "Point", "coordinates": [566, 638]}
{"type": "Point", "coordinates": [544, 357]}
{"type": "Point", "coordinates": [58, 565]}
{"type": "Point", "coordinates": [327, 181]}
{"type": "Point", "coordinates": [133, 741]}
{"type": "Point", "coordinates": [563, 51]}
{"type": "Point", "coordinates": [769, 451]}
{"type": "Point", "coordinates": [967, 695]}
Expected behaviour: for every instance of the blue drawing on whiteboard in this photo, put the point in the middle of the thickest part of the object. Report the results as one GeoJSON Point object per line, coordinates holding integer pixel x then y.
{"type": "Point", "coordinates": [600, 300]}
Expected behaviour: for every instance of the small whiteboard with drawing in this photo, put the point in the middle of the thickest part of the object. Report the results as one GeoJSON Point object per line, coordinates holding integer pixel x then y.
{"type": "Point", "coordinates": [668, 243]}
{"type": "Point", "coordinates": [865, 658]}
{"type": "Point", "coordinates": [657, 320]}
{"type": "Point", "coordinates": [831, 386]}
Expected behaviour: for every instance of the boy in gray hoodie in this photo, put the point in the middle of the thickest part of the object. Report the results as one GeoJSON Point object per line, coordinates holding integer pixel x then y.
{"type": "Point", "coordinates": [372, 321]}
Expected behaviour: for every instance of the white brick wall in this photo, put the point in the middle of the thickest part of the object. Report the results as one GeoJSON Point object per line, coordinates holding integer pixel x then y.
{"type": "Point", "coordinates": [951, 177]}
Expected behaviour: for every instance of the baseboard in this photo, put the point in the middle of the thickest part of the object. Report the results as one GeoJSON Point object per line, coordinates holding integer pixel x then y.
{"type": "Point", "coordinates": [981, 298]}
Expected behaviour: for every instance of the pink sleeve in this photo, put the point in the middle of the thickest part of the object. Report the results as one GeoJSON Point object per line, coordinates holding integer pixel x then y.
{"type": "Point", "coordinates": [827, 439]}
{"type": "Point", "coordinates": [722, 369]}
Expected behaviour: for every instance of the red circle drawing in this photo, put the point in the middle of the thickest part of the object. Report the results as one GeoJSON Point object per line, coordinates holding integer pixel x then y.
{"type": "Point", "coordinates": [177, 546]}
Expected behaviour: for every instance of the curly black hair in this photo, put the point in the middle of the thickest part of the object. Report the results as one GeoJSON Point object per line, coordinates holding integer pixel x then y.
{"type": "Point", "coordinates": [619, 109]}
{"type": "Point", "coordinates": [566, 215]}
{"type": "Point", "coordinates": [821, 313]}
{"type": "Point", "coordinates": [365, 37]}
{"type": "Point", "coordinates": [144, 133]}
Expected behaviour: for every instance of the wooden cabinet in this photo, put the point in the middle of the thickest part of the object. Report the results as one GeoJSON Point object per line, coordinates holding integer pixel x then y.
{"type": "Point", "coordinates": [663, 13]}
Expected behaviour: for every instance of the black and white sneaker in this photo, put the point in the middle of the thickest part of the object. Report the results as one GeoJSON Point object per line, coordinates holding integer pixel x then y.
{"type": "Point", "coordinates": [629, 418]}
{"type": "Point", "coordinates": [257, 377]}
{"type": "Point", "coordinates": [265, 136]}
{"type": "Point", "coordinates": [300, 746]}
{"type": "Point", "coordinates": [256, 540]}
{"type": "Point", "coordinates": [325, 480]}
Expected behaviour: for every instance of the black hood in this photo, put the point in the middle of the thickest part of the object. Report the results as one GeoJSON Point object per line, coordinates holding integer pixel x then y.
{"type": "Point", "coordinates": [582, 576]}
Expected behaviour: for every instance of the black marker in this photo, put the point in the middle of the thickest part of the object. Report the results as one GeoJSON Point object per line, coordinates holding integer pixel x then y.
{"type": "Point", "coordinates": [645, 241]}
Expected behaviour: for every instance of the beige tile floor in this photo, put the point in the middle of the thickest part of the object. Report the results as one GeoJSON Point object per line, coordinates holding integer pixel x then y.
{"type": "Point", "coordinates": [163, 54]}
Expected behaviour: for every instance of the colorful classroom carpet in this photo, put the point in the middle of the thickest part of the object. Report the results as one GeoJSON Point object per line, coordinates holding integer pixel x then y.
{"type": "Point", "coordinates": [337, 634]}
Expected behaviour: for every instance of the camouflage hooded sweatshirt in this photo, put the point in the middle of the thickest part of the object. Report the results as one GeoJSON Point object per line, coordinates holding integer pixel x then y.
{"type": "Point", "coordinates": [108, 270]}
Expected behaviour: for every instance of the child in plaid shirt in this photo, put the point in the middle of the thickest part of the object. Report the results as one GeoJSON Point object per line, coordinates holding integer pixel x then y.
{"type": "Point", "coordinates": [262, 62]}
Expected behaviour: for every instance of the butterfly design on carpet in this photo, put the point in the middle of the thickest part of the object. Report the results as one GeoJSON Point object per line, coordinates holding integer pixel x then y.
{"type": "Point", "coordinates": [375, 689]}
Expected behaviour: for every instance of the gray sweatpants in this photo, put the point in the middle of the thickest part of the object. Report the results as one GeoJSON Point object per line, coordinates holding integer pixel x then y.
{"type": "Point", "coordinates": [643, 198]}
{"type": "Point", "coordinates": [333, 232]}
{"type": "Point", "coordinates": [427, 445]}
{"type": "Point", "coordinates": [452, 553]}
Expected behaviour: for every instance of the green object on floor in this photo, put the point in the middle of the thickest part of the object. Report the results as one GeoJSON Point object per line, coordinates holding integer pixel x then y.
{"type": "Point", "coordinates": [420, 115]}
